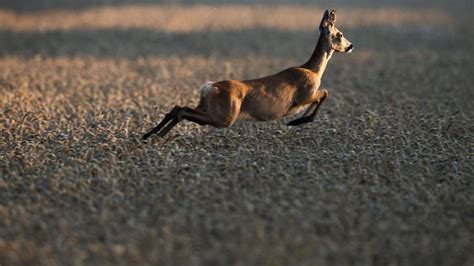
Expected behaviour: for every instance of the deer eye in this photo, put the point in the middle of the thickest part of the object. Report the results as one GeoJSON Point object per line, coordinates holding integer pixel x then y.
{"type": "Point", "coordinates": [339, 35]}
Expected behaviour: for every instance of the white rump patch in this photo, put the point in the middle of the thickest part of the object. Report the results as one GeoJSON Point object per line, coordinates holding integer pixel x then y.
{"type": "Point", "coordinates": [206, 88]}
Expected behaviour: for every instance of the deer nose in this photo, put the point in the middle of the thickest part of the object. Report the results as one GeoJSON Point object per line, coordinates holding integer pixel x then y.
{"type": "Point", "coordinates": [349, 49]}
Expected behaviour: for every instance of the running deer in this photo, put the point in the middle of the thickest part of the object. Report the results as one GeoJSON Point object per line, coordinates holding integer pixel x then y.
{"type": "Point", "coordinates": [273, 97]}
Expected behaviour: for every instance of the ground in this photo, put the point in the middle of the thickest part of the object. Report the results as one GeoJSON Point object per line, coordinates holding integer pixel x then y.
{"type": "Point", "coordinates": [383, 176]}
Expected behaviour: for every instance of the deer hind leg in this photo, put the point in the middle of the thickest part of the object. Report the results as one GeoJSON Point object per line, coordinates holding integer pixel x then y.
{"type": "Point", "coordinates": [197, 116]}
{"type": "Point", "coordinates": [185, 113]}
{"type": "Point", "coordinates": [219, 110]}
{"type": "Point", "coordinates": [219, 115]}
{"type": "Point", "coordinates": [168, 117]}
{"type": "Point", "coordinates": [317, 100]}
{"type": "Point", "coordinates": [177, 115]}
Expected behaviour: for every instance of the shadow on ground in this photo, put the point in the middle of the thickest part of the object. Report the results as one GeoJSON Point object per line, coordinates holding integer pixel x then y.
{"type": "Point", "coordinates": [135, 43]}
{"type": "Point", "coordinates": [42, 5]}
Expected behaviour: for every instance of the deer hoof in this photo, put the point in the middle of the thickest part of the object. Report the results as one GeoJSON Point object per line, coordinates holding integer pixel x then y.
{"type": "Point", "coordinates": [295, 122]}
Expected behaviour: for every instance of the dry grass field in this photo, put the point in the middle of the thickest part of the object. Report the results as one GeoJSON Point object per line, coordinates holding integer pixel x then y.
{"type": "Point", "coordinates": [384, 176]}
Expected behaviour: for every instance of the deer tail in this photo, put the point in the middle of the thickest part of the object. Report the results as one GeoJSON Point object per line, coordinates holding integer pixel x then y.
{"type": "Point", "coordinates": [206, 88]}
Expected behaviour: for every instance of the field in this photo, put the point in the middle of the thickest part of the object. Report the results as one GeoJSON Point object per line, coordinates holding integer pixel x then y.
{"type": "Point", "coordinates": [383, 176]}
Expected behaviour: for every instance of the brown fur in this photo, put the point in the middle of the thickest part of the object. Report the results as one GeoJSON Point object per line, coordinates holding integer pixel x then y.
{"type": "Point", "coordinates": [267, 98]}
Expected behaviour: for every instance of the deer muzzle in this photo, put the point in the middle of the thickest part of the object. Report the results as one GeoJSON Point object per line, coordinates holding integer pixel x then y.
{"type": "Point", "coordinates": [349, 48]}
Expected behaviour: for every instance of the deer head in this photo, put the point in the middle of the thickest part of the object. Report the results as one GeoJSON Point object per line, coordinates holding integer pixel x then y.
{"type": "Point", "coordinates": [332, 37]}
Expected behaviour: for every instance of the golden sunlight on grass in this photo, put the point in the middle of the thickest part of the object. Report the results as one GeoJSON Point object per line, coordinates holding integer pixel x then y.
{"type": "Point", "coordinates": [202, 17]}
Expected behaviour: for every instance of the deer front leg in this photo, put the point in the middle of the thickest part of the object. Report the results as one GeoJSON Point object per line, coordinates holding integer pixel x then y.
{"type": "Point", "coordinates": [317, 99]}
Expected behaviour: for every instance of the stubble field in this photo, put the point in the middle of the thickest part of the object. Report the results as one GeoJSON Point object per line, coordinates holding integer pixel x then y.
{"type": "Point", "coordinates": [384, 176]}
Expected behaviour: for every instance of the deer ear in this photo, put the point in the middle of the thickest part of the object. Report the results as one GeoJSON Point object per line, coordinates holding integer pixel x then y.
{"type": "Point", "coordinates": [332, 17]}
{"type": "Point", "coordinates": [324, 21]}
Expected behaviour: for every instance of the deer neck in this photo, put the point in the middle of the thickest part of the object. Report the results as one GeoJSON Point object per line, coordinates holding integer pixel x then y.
{"type": "Point", "coordinates": [320, 58]}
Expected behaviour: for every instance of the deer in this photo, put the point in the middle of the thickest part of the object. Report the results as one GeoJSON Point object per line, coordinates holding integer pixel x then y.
{"type": "Point", "coordinates": [290, 92]}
